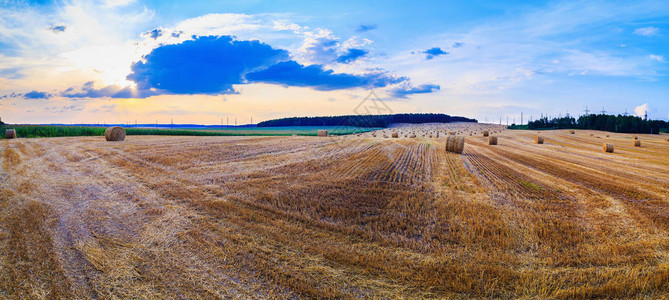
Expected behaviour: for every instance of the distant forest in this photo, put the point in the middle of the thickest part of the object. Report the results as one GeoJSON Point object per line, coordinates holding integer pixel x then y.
{"type": "Point", "coordinates": [619, 123]}
{"type": "Point", "coordinates": [364, 120]}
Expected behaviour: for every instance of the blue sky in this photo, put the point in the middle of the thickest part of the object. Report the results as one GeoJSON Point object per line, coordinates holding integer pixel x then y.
{"type": "Point", "coordinates": [201, 61]}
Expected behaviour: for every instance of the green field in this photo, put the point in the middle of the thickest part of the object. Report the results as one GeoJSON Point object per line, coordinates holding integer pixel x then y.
{"type": "Point", "coordinates": [33, 131]}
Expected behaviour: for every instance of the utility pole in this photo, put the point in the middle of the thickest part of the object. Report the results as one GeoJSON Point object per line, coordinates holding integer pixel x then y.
{"type": "Point", "coordinates": [227, 122]}
{"type": "Point", "coordinates": [507, 120]}
{"type": "Point", "coordinates": [235, 121]}
{"type": "Point", "coordinates": [251, 119]}
{"type": "Point", "coordinates": [500, 120]}
{"type": "Point", "coordinates": [625, 114]}
{"type": "Point", "coordinates": [645, 116]}
{"type": "Point", "coordinates": [587, 112]}
{"type": "Point", "coordinates": [603, 111]}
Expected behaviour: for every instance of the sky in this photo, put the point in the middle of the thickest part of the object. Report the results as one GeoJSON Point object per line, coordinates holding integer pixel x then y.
{"type": "Point", "coordinates": [207, 62]}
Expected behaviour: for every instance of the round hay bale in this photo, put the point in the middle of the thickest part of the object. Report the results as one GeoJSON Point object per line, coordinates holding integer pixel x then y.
{"type": "Point", "coordinates": [492, 140]}
{"type": "Point", "coordinates": [572, 132]}
{"type": "Point", "coordinates": [395, 135]}
{"type": "Point", "coordinates": [10, 133]}
{"type": "Point", "coordinates": [637, 143]}
{"type": "Point", "coordinates": [636, 137]}
{"type": "Point", "coordinates": [322, 132]}
{"type": "Point", "coordinates": [115, 134]}
{"type": "Point", "coordinates": [385, 136]}
{"type": "Point", "coordinates": [450, 141]}
{"type": "Point", "coordinates": [459, 144]}
{"type": "Point", "coordinates": [455, 144]}
{"type": "Point", "coordinates": [539, 139]}
{"type": "Point", "coordinates": [413, 136]}
{"type": "Point", "coordinates": [451, 133]}
{"type": "Point", "coordinates": [607, 135]}
{"type": "Point", "coordinates": [486, 133]}
{"type": "Point", "coordinates": [607, 147]}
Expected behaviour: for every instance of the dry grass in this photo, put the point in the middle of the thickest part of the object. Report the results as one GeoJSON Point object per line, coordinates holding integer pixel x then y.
{"type": "Point", "coordinates": [343, 217]}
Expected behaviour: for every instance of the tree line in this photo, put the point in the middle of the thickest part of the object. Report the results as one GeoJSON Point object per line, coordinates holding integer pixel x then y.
{"type": "Point", "coordinates": [365, 120]}
{"type": "Point", "coordinates": [613, 123]}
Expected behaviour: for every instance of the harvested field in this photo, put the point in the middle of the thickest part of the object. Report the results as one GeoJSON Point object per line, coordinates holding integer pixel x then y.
{"type": "Point", "coordinates": [340, 217]}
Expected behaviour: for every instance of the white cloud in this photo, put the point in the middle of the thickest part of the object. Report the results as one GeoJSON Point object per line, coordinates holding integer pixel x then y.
{"type": "Point", "coordinates": [221, 24]}
{"type": "Point", "coordinates": [647, 31]}
{"type": "Point", "coordinates": [319, 47]}
{"type": "Point", "coordinates": [74, 54]}
{"type": "Point", "coordinates": [114, 3]}
{"type": "Point", "coordinates": [599, 62]}
{"type": "Point", "coordinates": [659, 58]}
{"type": "Point", "coordinates": [641, 110]}
{"type": "Point", "coordinates": [287, 25]}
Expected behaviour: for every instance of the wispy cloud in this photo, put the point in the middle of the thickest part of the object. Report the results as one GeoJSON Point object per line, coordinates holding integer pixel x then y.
{"type": "Point", "coordinates": [365, 27]}
{"type": "Point", "coordinates": [406, 89]}
{"type": "Point", "coordinates": [659, 58]}
{"type": "Point", "coordinates": [58, 28]}
{"type": "Point", "coordinates": [647, 31]}
{"type": "Point", "coordinates": [537, 58]}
